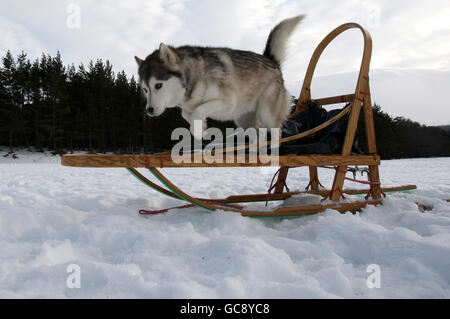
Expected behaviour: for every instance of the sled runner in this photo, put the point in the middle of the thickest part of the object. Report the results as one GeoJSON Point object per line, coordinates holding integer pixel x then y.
{"type": "Point", "coordinates": [341, 163]}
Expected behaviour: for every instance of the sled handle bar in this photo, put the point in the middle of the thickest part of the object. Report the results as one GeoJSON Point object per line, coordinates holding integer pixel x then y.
{"type": "Point", "coordinates": [305, 94]}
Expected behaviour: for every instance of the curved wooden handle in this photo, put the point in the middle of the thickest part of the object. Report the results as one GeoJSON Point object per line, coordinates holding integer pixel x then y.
{"type": "Point", "coordinates": [305, 94]}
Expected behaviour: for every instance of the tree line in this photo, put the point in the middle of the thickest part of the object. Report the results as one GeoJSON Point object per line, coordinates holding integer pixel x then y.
{"type": "Point", "coordinates": [400, 137]}
{"type": "Point", "coordinates": [45, 104]}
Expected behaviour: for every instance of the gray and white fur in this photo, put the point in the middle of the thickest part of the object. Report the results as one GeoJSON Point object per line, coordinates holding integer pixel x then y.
{"type": "Point", "coordinates": [220, 83]}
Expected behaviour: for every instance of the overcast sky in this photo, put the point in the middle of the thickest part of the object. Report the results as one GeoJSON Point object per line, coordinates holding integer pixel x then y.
{"type": "Point", "coordinates": [410, 71]}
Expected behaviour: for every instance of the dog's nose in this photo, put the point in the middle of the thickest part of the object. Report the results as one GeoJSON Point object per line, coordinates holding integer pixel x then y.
{"type": "Point", "coordinates": [150, 110]}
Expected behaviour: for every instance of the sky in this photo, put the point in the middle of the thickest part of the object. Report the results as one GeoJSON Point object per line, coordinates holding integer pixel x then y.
{"type": "Point", "coordinates": [410, 68]}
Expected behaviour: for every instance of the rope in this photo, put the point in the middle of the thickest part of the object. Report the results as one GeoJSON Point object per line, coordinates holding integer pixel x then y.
{"type": "Point", "coordinates": [330, 194]}
{"type": "Point", "coordinates": [165, 210]}
{"type": "Point", "coordinates": [356, 180]}
{"type": "Point", "coordinates": [369, 194]}
{"type": "Point", "coordinates": [316, 179]}
{"type": "Point", "coordinates": [272, 185]}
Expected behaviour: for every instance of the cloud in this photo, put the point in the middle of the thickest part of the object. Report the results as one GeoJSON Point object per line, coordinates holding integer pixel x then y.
{"type": "Point", "coordinates": [16, 38]}
{"type": "Point", "coordinates": [407, 35]}
{"type": "Point", "coordinates": [414, 93]}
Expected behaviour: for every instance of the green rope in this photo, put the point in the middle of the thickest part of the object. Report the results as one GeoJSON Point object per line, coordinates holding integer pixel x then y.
{"type": "Point", "coordinates": [179, 195]}
{"type": "Point", "coordinates": [149, 185]}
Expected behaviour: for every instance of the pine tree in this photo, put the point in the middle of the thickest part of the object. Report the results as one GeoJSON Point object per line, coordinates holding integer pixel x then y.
{"type": "Point", "coordinates": [23, 98]}
{"type": "Point", "coordinates": [46, 105]}
{"type": "Point", "coordinates": [10, 107]}
{"type": "Point", "coordinates": [36, 105]}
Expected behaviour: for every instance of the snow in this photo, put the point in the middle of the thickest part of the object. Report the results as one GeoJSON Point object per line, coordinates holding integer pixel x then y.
{"type": "Point", "coordinates": [53, 216]}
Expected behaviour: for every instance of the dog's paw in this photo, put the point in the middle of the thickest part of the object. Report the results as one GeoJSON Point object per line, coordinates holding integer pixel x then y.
{"type": "Point", "coordinates": [198, 129]}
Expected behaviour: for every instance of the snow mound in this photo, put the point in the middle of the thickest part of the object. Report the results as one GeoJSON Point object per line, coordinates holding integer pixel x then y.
{"type": "Point", "coordinates": [53, 216]}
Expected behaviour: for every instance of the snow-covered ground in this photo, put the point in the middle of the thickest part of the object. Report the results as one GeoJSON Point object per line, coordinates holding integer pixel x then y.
{"type": "Point", "coordinates": [53, 216]}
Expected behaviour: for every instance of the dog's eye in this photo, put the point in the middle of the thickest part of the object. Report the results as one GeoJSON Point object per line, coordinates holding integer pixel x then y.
{"type": "Point", "coordinates": [158, 86]}
{"type": "Point", "coordinates": [145, 90]}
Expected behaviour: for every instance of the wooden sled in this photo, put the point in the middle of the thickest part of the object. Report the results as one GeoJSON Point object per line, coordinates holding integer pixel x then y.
{"type": "Point", "coordinates": [360, 99]}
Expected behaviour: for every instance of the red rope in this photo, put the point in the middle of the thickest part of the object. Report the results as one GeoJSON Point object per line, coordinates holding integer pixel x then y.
{"type": "Point", "coordinates": [362, 182]}
{"type": "Point", "coordinates": [370, 193]}
{"type": "Point", "coordinates": [162, 211]}
{"type": "Point", "coordinates": [330, 194]}
{"type": "Point", "coordinates": [316, 179]}
{"type": "Point", "coordinates": [272, 185]}
{"type": "Point", "coordinates": [356, 180]}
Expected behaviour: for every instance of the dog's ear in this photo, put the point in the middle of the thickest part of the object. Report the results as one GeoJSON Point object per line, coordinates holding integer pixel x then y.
{"type": "Point", "coordinates": [167, 55]}
{"type": "Point", "coordinates": [138, 61]}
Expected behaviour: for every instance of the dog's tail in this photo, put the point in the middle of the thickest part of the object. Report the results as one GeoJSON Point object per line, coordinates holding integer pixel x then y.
{"type": "Point", "coordinates": [276, 43]}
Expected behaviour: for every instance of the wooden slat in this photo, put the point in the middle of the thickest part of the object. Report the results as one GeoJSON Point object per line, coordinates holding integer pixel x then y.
{"type": "Point", "coordinates": [334, 99]}
{"type": "Point", "coordinates": [374, 175]}
{"type": "Point", "coordinates": [313, 178]}
{"type": "Point", "coordinates": [312, 209]}
{"type": "Point", "coordinates": [164, 160]}
{"type": "Point", "coordinates": [283, 196]}
{"type": "Point", "coordinates": [281, 181]}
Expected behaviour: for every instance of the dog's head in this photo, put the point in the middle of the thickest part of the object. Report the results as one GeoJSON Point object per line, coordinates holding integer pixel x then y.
{"type": "Point", "coordinates": [160, 78]}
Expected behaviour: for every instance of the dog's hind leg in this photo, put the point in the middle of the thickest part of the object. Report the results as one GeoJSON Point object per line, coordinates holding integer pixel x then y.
{"type": "Point", "coordinates": [246, 120]}
{"type": "Point", "coordinates": [273, 108]}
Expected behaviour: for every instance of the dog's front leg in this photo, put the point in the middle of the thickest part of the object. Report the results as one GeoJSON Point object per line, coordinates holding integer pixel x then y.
{"type": "Point", "coordinates": [198, 131]}
{"type": "Point", "coordinates": [201, 112]}
{"type": "Point", "coordinates": [186, 115]}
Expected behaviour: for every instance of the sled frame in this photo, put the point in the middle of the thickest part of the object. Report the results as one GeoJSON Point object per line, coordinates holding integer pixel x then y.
{"type": "Point", "coordinates": [358, 100]}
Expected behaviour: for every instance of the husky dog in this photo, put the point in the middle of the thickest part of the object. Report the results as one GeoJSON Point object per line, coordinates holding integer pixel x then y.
{"type": "Point", "coordinates": [220, 83]}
